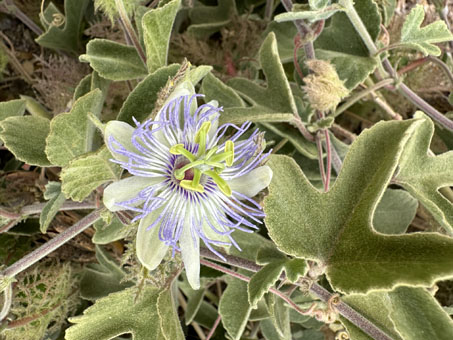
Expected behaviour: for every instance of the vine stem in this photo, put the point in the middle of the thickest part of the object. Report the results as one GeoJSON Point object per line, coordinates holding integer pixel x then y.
{"type": "Point", "coordinates": [9, 7]}
{"type": "Point", "coordinates": [48, 247]}
{"type": "Point", "coordinates": [403, 88]}
{"type": "Point", "coordinates": [129, 30]}
{"type": "Point", "coordinates": [344, 309]}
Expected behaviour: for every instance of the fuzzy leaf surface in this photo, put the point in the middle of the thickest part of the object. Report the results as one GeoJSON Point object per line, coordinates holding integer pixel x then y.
{"type": "Point", "coordinates": [335, 227]}
{"type": "Point", "coordinates": [273, 103]}
{"type": "Point", "coordinates": [140, 102]}
{"type": "Point", "coordinates": [26, 137]}
{"type": "Point", "coordinates": [157, 25]}
{"type": "Point", "coordinates": [206, 20]}
{"type": "Point", "coordinates": [55, 200]}
{"type": "Point", "coordinates": [424, 38]}
{"type": "Point", "coordinates": [309, 15]}
{"type": "Point", "coordinates": [423, 175]}
{"type": "Point", "coordinates": [118, 314]}
{"type": "Point", "coordinates": [84, 174]}
{"type": "Point", "coordinates": [113, 60]}
{"type": "Point", "coordinates": [71, 134]}
{"type": "Point", "coordinates": [68, 37]}
{"type": "Point", "coordinates": [12, 108]}
{"type": "Point", "coordinates": [214, 89]}
{"type": "Point", "coordinates": [168, 317]}
{"type": "Point", "coordinates": [404, 313]}
{"type": "Point", "coordinates": [109, 231]}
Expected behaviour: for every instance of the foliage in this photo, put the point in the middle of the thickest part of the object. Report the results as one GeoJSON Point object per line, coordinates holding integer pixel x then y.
{"type": "Point", "coordinates": [353, 212]}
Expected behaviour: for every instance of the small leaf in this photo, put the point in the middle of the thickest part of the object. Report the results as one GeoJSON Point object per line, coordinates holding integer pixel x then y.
{"type": "Point", "coordinates": [140, 102]}
{"type": "Point", "coordinates": [118, 314]}
{"type": "Point", "coordinates": [157, 25]}
{"type": "Point", "coordinates": [206, 20]}
{"type": "Point", "coordinates": [108, 232]}
{"type": "Point", "coordinates": [71, 134]}
{"type": "Point", "coordinates": [169, 321]}
{"type": "Point", "coordinates": [395, 212]}
{"type": "Point", "coordinates": [26, 137]}
{"type": "Point", "coordinates": [312, 16]}
{"type": "Point", "coordinates": [12, 108]}
{"type": "Point", "coordinates": [84, 174]}
{"type": "Point", "coordinates": [68, 37]}
{"type": "Point", "coordinates": [55, 200]}
{"type": "Point", "coordinates": [113, 60]}
{"type": "Point", "coordinates": [101, 279]}
{"type": "Point", "coordinates": [214, 89]}
{"type": "Point", "coordinates": [423, 39]}
{"type": "Point", "coordinates": [35, 108]}
{"type": "Point", "coordinates": [334, 227]}
{"type": "Point", "coordinates": [274, 102]}
{"type": "Point", "coordinates": [234, 308]}
{"type": "Point", "coordinates": [264, 279]}
{"type": "Point", "coordinates": [423, 175]}
{"type": "Point", "coordinates": [194, 301]}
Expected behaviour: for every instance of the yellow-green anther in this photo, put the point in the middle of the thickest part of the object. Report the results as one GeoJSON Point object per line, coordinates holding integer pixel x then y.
{"type": "Point", "coordinates": [222, 156]}
{"type": "Point", "coordinates": [229, 148]}
{"type": "Point", "coordinates": [200, 137]}
{"type": "Point", "coordinates": [221, 183]}
{"type": "Point", "coordinates": [179, 173]}
{"type": "Point", "coordinates": [189, 185]}
{"type": "Point", "coordinates": [179, 149]}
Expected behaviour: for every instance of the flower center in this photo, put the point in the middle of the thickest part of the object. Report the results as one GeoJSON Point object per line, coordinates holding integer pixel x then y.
{"type": "Point", "coordinates": [206, 162]}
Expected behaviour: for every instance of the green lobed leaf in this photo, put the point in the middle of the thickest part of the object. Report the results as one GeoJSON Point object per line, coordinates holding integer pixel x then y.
{"type": "Point", "coordinates": [423, 175]}
{"type": "Point", "coordinates": [395, 212]}
{"type": "Point", "coordinates": [423, 39]}
{"type": "Point", "coordinates": [113, 60]}
{"type": "Point", "coordinates": [118, 314]}
{"type": "Point", "coordinates": [55, 200]}
{"type": "Point", "coordinates": [140, 102]}
{"type": "Point", "coordinates": [102, 278]}
{"type": "Point", "coordinates": [299, 13]}
{"type": "Point", "coordinates": [26, 137]}
{"type": "Point", "coordinates": [273, 103]}
{"type": "Point", "coordinates": [335, 227]}
{"type": "Point", "coordinates": [206, 20]}
{"type": "Point", "coordinates": [405, 313]}
{"type": "Point", "coordinates": [168, 316]}
{"type": "Point", "coordinates": [68, 37]}
{"type": "Point", "coordinates": [214, 89]}
{"type": "Point", "coordinates": [234, 308]}
{"type": "Point", "coordinates": [279, 316]}
{"type": "Point", "coordinates": [157, 25]}
{"type": "Point", "coordinates": [84, 174]}
{"type": "Point", "coordinates": [71, 134]}
{"type": "Point", "coordinates": [340, 35]}
{"type": "Point", "coordinates": [12, 108]}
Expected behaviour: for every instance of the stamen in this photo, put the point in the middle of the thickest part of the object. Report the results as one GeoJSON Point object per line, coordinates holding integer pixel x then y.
{"type": "Point", "coordinates": [179, 149]}
{"type": "Point", "coordinates": [229, 148]}
{"type": "Point", "coordinates": [200, 137]}
{"type": "Point", "coordinates": [179, 173]}
{"type": "Point", "coordinates": [221, 183]}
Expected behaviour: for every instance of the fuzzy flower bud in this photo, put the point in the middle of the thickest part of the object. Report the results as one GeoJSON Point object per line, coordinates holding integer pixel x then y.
{"type": "Point", "coordinates": [324, 88]}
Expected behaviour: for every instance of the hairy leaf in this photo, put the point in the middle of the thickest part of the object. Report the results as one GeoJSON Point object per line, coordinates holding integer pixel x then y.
{"type": "Point", "coordinates": [101, 279]}
{"type": "Point", "coordinates": [299, 13]}
{"type": "Point", "coordinates": [274, 102]}
{"type": "Point", "coordinates": [335, 227]}
{"type": "Point", "coordinates": [423, 39]}
{"type": "Point", "coordinates": [118, 314]}
{"type": "Point", "coordinates": [214, 89]}
{"type": "Point", "coordinates": [404, 313]}
{"type": "Point", "coordinates": [12, 108]}
{"type": "Point", "coordinates": [234, 308]}
{"type": "Point", "coordinates": [84, 174]}
{"type": "Point", "coordinates": [423, 174]}
{"type": "Point", "coordinates": [157, 25]}
{"type": "Point", "coordinates": [71, 134]}
{"type": "Point", "coordinates": [113, 60]}
{"type": "Point", "coordinates": [168, 316]}
{"type": "Point", "coordinates": [109, 231]}
{"type": "Point", "coordinates": [206, 20]}
{"type": "Point", "coordinates": [26, 137]}
{"type": "Point", "coordinates": [55, 200]}
{"type": "Point", "coordinates": [66, 38]}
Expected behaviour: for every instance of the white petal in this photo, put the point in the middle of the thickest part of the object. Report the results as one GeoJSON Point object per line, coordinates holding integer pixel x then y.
{"type": "Point", "coordinates": [125, 190]}
{"type": "Point", "coordinates": [252, 183]}
{"type": "Point", "coordinates": [150, 250]}
{"type": "Point", "coordinates": [122, 133]}
{"type": "Point", "coordinates": [190, 252]}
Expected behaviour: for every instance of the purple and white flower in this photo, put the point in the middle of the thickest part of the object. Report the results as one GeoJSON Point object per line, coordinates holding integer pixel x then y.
{"type": "Point", "coordinates": [190, 180]}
